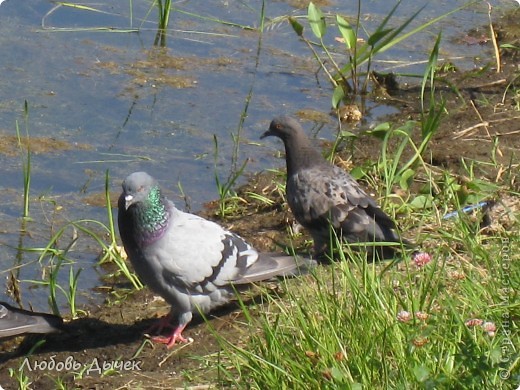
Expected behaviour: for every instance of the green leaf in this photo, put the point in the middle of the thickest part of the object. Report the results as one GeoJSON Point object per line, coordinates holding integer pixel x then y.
{"type": "Point", "coordinates": [421, 373]}
{"type": "Point", "coordinates": [377, 36]}
{"type": "Point", "coordinates": [357, 173]}
{"type": "Point", "coordinates": [347, 32]}
{"type": "Point", "coordinates": [406, 178]}
{"type": "Point", "coordinates": [495, 355]}
{"type": "Point", "coordinates": [348, 134]}
{"type": "Point", "coordinates": [316, 20]}
{"type": "Point", "coordinates": [472, 198]}
{"type": "Point", "coordinates": [422, 202]}
{"type": "Point", "coordinates": [337, 374]}
{"type": "Point", "coordinates": [78, 6]}
{"type": "Point", "coordinates": [380, 130]}
{"type": "Point", "coordinates": [297, 27]}
{"type": "Point", "coordinates": [385, 126]}
{"type": "Point", "coordinates": [509, 46]}
{"type": "Point", "coordinates": [337, 96]}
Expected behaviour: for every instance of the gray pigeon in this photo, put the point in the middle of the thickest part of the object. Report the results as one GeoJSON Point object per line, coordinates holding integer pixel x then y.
{"type": "Point", "coordinates": [322, 195]}
{"type": "Point", "coordinates": [193, 263]}
{"type": "Point", "coordinates": [14, 321]}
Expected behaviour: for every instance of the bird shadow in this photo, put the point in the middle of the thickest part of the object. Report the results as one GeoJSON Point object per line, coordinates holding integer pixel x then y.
{"type": "Point", "coordinates": [79, 335]}
{"type": "Point", "coordinates": [83, 334]}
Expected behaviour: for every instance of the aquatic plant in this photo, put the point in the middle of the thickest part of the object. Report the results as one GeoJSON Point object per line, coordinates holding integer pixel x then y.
{"type": "Point", "coordinates": [163, 11]}
{"type": "Point", "coordinates": [352, 78]}
{"type": "Point", "coordinates": [25, 153]}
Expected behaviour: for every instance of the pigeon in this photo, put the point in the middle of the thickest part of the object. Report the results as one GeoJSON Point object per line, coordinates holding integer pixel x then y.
{"type": "Point", "coordinates": [15, 321]}
{"type": "Point", "coordinates": [322, 195]}
{"type": "Point", "coordinates": [194, 264]}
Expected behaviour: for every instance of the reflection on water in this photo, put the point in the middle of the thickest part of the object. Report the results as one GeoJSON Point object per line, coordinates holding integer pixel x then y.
{"type": "Point", "coordinates": [102, 97]}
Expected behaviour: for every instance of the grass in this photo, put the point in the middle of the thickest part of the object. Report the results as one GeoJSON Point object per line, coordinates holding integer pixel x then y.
{"type": "Point", "coordinates": [163, 11]}
{"type": "Point", "coordinates": [398, 169]}
{"type": "Point", "coordinates": [55, 257]}
{"type": "Point", "coordinates": [352, 326]}
{"type": "Point", "coordinates": [402, 150]}
{"type": "Point", "coordinates": [228, 200]}
{"type": "Point", "coordinates": [26, 160]}
{"type": "Point", "coordinates": [161, 25]}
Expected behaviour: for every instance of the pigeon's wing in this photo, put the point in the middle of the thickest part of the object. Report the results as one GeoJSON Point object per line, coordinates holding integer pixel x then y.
{"type": "Point", "coordinates": [201, 255]}
{"type": "Point", "coordinates": [326, 194]}
{"type": "Point", "coordinates": [198, 254]}
{"type": "Point", "coordinates": [16, 321]}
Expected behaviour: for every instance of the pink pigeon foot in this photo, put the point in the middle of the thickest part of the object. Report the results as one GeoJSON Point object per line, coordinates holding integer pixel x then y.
{"type": "Point", "coordinates": [173, 338]}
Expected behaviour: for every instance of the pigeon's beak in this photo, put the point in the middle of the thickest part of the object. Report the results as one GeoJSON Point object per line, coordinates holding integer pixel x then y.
{"type": "Point", "coordinates": [129, 200]}
{"type": "Point", "coordinates": [266, 134]}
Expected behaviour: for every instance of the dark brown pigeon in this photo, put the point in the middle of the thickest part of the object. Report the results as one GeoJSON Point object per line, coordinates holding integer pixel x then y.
{"type": "Point", "coordinates": [15, 321]}
{"type": "Point", "coordinates": [322, 195]}
{"type": "Point", "coordinates": [194, 264]}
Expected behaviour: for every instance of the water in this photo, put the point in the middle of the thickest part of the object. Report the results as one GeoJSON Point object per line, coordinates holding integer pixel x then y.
{"type": "Point", "coordinates": [110, 100]}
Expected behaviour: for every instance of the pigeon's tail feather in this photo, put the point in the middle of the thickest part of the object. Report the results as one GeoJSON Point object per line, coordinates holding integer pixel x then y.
{"type": "Point", "coordinates": [373, 226]}
{"type": "Point", "coordinates": [390, 235]}
{"type": "Point", "coordinates": [17, 321]}
{"type": "Point", "coordinates": [384, 234]}
{"type": "Point", "coordinates": [383, 227]}
{"type": "Point", "coordinates": [384, 252]}
{"type": "Point", "coordinates": [270, 265]}
{"type": "Point", "coordinates": [28, 325]}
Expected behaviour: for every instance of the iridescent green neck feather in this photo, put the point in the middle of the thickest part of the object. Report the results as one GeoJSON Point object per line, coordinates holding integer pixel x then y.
{"type": "Point", "coordinates": [151, 217]}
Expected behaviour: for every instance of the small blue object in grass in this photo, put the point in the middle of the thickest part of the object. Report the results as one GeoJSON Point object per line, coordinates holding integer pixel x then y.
{"type": "Point", "coordinates": [467, 209]}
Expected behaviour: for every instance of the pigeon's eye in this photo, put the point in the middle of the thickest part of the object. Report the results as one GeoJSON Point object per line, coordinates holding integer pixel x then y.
{"type": "Point", "coordinates": [278, 127]}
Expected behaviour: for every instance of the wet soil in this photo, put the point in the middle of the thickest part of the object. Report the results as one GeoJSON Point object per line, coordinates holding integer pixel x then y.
{"type": "Point", "coordinates": [476, 114]}
{"type": "Point", "coordinates": [10, 145]}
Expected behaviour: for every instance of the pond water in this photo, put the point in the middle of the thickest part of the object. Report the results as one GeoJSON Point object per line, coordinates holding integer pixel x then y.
{"type": "Point", "coordinates": [101, 96]}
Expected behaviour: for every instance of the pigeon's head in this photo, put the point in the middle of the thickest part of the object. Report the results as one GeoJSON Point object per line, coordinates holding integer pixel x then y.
{"type": "Point", "coordinates": [283, 127]}
{"type": "Point", "coordinates": [136, 187]}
